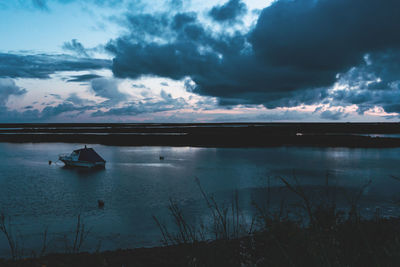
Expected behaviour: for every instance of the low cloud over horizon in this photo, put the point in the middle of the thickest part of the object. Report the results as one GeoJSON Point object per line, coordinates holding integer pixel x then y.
{"type": "Point", "coordinates": [183, 61]}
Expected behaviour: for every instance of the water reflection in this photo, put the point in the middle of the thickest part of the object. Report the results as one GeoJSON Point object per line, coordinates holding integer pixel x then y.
{"type": "Point", "coordinates": [136, 184]}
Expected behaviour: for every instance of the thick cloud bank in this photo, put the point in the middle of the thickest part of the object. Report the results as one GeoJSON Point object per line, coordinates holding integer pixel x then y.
{"type": "Point", "coordinates": [292, 56]}
{"type": "Point", "coordinates": [42, 65]}
{"type": "Point", "coordinates": [375, 82]}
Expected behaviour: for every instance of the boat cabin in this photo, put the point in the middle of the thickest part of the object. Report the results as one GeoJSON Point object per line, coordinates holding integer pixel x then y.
{"type": "Point", "coordinates": [84, 157]}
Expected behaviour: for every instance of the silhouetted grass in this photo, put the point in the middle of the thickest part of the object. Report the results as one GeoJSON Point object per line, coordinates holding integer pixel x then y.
{"type": "Point", "coordinates": [15, 242]}
{"type": "Point", "coordinates": [325, 236]}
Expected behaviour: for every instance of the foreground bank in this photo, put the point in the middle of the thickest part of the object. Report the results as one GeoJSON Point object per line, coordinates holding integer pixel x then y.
{"type": "Point", "coordinates": [310, 232]}
{"type": "Point", "coordinates": [329, 242]}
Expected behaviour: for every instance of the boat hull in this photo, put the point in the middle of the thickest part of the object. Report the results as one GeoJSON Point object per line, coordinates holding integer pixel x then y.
{"type": "Point", "coordinates": [83, 164]}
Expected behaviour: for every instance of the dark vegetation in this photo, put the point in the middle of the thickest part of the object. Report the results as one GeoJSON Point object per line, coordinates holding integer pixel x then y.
{"type": "Point", "coordinates": [312, 233]}
{"type": "Point", "coordinates": [72, 243]}
{"type": "Point", "coordinates": [207, 135]}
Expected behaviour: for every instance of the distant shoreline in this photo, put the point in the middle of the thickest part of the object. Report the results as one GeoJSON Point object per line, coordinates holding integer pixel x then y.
{"type": "Point", "coordinates": [208, 135]}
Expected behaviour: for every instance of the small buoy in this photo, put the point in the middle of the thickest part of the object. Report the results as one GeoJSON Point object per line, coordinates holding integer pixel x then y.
{"type": "Point", "coordinates": [100, 203]}
{"type": "Point", "coordinates": [161, 158]}
{"type": "Point", "coordinates": [49, 162]}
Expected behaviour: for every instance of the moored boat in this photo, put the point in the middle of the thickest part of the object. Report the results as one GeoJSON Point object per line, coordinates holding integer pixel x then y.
{"type": "Point", "coordinates": [85, 157]}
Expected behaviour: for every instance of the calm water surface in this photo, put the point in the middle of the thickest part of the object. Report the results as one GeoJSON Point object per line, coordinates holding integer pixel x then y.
{"type": "Point", "coordinates": [136, 184]}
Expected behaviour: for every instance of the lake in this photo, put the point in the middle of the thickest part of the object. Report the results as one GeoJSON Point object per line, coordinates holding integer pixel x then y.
{"type": "Point", "coordinates": [136, 184]}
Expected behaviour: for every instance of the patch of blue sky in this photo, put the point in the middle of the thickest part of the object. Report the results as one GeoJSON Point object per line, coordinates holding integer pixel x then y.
{"type": "Point", "coordinates": [45, 31]}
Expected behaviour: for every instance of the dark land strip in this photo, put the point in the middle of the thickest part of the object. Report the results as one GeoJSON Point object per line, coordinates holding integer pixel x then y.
{"type": "Point", "coordinates": [208, 135]}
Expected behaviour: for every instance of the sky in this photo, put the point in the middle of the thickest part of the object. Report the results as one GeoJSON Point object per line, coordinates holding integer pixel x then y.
{"type": "Point", "coordinates": [199, 61]}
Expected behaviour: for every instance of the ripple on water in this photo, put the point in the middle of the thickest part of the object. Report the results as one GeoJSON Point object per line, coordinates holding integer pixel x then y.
{"type": "Point", "coordinates": [136, 184]}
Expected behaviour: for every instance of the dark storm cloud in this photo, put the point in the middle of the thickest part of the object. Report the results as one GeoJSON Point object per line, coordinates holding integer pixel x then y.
{"type": "Point", "coordinates": [42, 65]}
{"type": "Point", "coordinates": [327, 34]}
{"type": "Point", "coordinates": [83, 77]}
{"type": "Point", "coordinates": [375, 82]}
{"type": "Point", "coordinates": [229, 12]}
{"type": "Point", "coordinates": [76, 47]}
{"type": "Point", "coordinates": [182, 57]}
{"type": "Point", "coordinates": [291, 56]}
